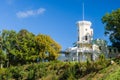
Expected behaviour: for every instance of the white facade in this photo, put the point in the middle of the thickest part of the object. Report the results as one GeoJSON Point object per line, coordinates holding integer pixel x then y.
{"type": "Point", "coordinates": [83, 50]}
{"type": "Point", "coordinates": [85, 32]}
{"type": "Point", "coordinates": [86, 47]}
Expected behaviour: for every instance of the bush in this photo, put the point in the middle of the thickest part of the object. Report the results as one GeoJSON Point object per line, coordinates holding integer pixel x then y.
{"type": "Point", "coordinates": [69, 74]}
{"type": "Point", "coordinates": [31, 75]}
{"type": "Point", "coordinates": [5, 75]}
{"type": "Point", "coordinates": [17, 72]}
{"type": "Point", "coordinates": [55, 70]}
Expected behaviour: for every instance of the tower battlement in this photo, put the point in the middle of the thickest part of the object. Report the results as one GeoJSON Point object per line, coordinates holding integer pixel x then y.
{"type": "Point", "coordinates": [85, 32]}
{"type": "Point", "coordinates": [84, 23]}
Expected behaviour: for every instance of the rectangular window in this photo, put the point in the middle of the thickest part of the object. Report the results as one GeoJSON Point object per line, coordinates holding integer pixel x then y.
{"type": "Point", "coordinates": [110, 50]}
{"type": "Point", "coordinates": [100, 47]}
{"type": "Point", "coordinates": [115, 51]}
{"type": "Point", "coordinates": [86, 38]}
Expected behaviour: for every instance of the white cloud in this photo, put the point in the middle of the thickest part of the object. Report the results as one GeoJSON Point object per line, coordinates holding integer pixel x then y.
{"type": "Point", "coordinates": [24, 14]}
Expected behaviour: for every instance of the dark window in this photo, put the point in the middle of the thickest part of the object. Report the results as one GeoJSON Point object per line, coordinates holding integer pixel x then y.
{"type": "Point", "coordinates": [110, 50]}
{"type": "Point", "coordinates": [100, 47]}
{"type": "Point", "coordinates": [115, 50]}
{"type": "Point", "coordinates": [86, 38]}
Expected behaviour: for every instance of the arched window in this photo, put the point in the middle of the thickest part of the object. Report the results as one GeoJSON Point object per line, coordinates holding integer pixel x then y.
{"type": "Point", "coordinates": [86, 37]}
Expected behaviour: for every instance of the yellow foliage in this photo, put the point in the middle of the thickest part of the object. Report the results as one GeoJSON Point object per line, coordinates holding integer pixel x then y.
{"type": "Point", "coordinates": [47, 46]}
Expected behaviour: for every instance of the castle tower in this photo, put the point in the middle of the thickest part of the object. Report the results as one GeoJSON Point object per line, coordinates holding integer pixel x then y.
{"type": "Point", "coordinates": [85, 37]}
{"type": "Point", "coordinates": [83, 49]}
{"type": "Point", "coordinates": [85, 32]}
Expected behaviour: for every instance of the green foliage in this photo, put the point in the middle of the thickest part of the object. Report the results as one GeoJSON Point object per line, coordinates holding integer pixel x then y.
{"type": "Point", "coordinates": [79, 70]}
{"type": "Point", "coordinates": [31, 75]}
{"type": "Point", "coordinates": [69, 74]}
{"type": "Point", "coordinates": [117, 60]}
{"type": "Point", "coordinates": [2, 58]}
{"type": "Point", "coordinates": [114, 75]}
{"type": "Point", "coordinates": [17, 73]}
{"type": "Point", "coordinates": [56, 70]}
{"type": "Point", "coordinates": [112, 26]}
{"type": "Point", "coordinates": [48, 48]}
{"type": "Point", "coordinates": [27, 46]}
{"type": "Point", "coordinates": [24, 47]}
{"type": "Point", "coordinates": [108, 73]}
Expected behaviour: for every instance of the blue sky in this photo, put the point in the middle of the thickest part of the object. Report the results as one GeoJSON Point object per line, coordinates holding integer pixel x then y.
{"type": "Point", "coordinates": [56, 18]}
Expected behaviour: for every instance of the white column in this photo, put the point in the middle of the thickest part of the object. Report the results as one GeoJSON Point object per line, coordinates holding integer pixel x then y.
{"type": "Point", "coordinates": [77, 54]}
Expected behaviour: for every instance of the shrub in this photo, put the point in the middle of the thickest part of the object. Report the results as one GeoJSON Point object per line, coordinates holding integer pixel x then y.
{"type": "Point", "coordinates": [31, 75]}
{"type": "Point", "coordinates": [17, 72]}
{"type": "Point", "coordinates": [69, 74]}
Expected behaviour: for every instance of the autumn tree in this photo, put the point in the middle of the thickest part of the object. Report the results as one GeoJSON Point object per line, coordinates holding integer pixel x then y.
{"type": "Point", "coordinates": [112, 27]}
{"type": "Point", "coordinates": [48, 48]}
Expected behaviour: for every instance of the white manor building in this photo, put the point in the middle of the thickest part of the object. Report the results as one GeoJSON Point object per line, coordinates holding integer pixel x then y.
{"type": "Point", "coordinates": [86, 47]}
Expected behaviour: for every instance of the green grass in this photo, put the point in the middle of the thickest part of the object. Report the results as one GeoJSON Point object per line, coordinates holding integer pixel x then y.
{"type": "Point", "coordinates": [57, 70]}
{"type": "Point", "coordinates": [111, 72]}
{"type": "Point", "coordinates": [114, 75]}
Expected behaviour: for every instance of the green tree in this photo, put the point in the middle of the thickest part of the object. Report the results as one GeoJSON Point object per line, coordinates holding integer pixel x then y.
{"type": "Point", "coordinates": [8, 44]}
{"type": "Point", "coordinates": [27, 46]}
{"type": "Point", "coordinates": [24, 47]}
{"type": "Point", "coordinates": [48, 48]}
{"type": "Point", "coordinates": [20, 47]}
{"type": "Point", "coordinates": [112, 27]}
{"type": "Point", "coordinates": [2, 58]}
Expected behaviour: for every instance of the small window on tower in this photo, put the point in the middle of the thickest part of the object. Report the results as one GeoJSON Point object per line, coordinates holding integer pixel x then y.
{"type": "Point", "coordinates": [78, 38]}
{"type": "Point", "coordinates": [86, 38]}
{"type": "Point", "coordinates": [115, 50]}
{"type": "Point", "coordinates": [110, 50]}
{"type": "Point", "coordinates": [100, 47]}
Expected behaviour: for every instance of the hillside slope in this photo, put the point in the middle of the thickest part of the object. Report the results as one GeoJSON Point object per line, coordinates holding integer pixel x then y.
{"type": "Point", "coordinates": [56, 70]}
{"type": "Point", "coordinates": [111, 72]}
